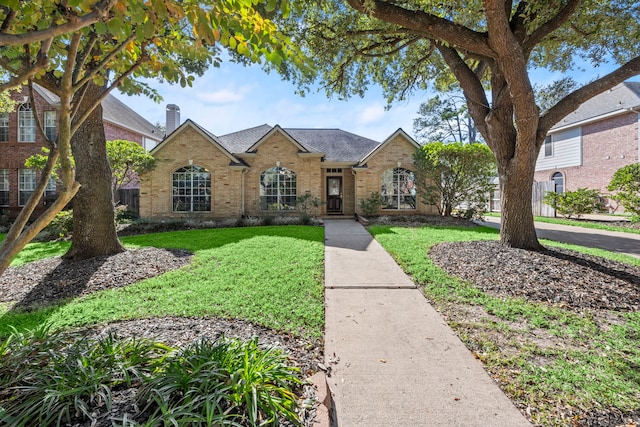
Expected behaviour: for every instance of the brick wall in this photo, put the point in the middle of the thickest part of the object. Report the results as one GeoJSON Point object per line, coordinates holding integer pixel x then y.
{"type": "Point", "coordinates": [156, 186]}
{"type": "Point", "coordinates": [226, 182]}
{"type": "Point", "coordinates": [278, 148]}
{"type": "Point", "coordinates": [607, 145]}
{"type": "Point", "coordinates": [13, 153]}
{"type": "Point", "coordinates": [113, 132]}
{"type": "Point", "coordinates": [369, 180]}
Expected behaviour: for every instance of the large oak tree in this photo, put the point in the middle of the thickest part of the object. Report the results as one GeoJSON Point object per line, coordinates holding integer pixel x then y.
{"type": "Point", "coordinates": [489, 47]}
{"type": "Point", "coordinates": [135, 41]}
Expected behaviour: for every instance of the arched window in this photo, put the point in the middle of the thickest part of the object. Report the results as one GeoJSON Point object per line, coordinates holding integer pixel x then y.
{"type": "Point", "coordinates": [558, 180]}
{"type": "Point", "coordinates": [191, 190]}
{"type": "Point", "coordinates": [398, 189]}
{"type": "Point", "coordinates": [278, 189]}
{"type": "Point", "coordinates": [26, 124]}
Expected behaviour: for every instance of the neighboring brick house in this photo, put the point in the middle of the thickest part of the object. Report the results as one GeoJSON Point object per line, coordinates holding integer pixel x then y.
{"type": "Point", "coordinates": [590, 144]}
{"type": "Point", "coordinates": [20, 140]}
{"type": "Point", "coordinates": [265, 170]}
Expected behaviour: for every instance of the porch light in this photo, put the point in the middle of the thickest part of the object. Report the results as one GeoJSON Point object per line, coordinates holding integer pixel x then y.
{"type": "Point", "coordinates": [277, 164]}
{"type": "Point", "coordinates": [399, 164]}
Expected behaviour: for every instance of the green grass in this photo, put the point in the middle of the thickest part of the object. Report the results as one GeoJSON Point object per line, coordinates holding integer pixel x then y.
{"type": "Point", "coordinates": [593, 364]}
{"type": "Point", "coordinates": [271, 276]}
{"type": "Point", "coordinates": [579, 223]}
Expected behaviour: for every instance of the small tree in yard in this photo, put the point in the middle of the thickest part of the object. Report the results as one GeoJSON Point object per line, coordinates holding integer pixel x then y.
{"type": "Point", "coordinates": [626, 183]}
{"type": "Point", "coordinates": [575, 203]}
{"type": "Point", "coordinates": [449, 175]}
{"type": "Point", "coordinates": [128, 160]}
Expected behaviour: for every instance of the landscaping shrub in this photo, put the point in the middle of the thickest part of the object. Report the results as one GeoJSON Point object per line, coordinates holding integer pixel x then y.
{"type": "Point", "coordinates": [370, 206]}
{"type": "Point", "coordinates": [575, 203]}
{"type": "Point", "coordinates": [626, 183]}
{"type": "Point", "coordinates": [123, 215]}
{"type": "Point", "coordinates": [60, 227]}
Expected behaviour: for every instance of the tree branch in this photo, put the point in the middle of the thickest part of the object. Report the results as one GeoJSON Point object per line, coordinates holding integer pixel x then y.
{"type": "Point", "coordinates": [572, 101]}
{"type": "Point", "coordinates": [428, 25]}
{"type": "Point", "coordinates": [99, 11]}
{"type": "Point", "coordinates": [27, 73]}
{"type": "Point", "coordinates": [471, 88]}
{"type": "Point", "coordinates": [78, 122]}
{"type": "Point", "coordinates": [550, 26]}
{"type": "Point", "coordinates": [103, 63]}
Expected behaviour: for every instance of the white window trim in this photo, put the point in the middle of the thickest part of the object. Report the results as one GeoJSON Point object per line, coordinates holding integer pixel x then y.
{"type": "Point", "coordinates": [22, 127]}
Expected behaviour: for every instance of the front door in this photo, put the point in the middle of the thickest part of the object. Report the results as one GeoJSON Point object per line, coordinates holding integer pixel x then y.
{"type": "Point", "coordinates": [334, 194]}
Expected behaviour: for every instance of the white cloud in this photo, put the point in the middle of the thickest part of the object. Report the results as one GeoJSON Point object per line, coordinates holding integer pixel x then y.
{"type": "Point", "coordinates": [371, 114]}
{"type": "Point", "coordinates": [224, 96]}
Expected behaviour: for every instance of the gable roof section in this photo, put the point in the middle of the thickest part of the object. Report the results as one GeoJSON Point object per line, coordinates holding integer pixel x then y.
{"type": "Point", "coordinates": [616, 100]}
{"type": "Point", "coordinates": [241, 141]}
{"type": "Point", "coordinates": [118, 113]}
{"type": "Point", "coordinates": [337, 145]}
{"type": "Point", "coordinates": [113, 111]}
{"type": "Point", "coordinates": [205, 134]}
{"type": "Point", "coordinates": [397, 133]}
{"type": "Point", "coordinates": [273, 130]}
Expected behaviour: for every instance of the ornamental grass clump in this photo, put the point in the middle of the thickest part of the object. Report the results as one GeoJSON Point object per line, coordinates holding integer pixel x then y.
{"type": "Point", "coordinates": [225, 382]}
{"type": "Point", "coordinates": [51, 379]}
{"type": "Point", "coordinates": [55, 379]}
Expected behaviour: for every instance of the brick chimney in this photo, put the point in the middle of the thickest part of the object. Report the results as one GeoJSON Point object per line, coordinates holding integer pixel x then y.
{"type": "Point", "coordinates": [173, 118]}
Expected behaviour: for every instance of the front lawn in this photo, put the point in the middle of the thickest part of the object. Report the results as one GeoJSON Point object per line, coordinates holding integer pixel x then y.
{"type": "Point", "coordinates": [560, 365]}
{"type": "Point", "coordinates": [270, 276]}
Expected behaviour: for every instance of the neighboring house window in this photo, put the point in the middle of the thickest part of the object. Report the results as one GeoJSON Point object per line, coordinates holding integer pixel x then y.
{"type": "Point", "coordinates": [548, 147]}
{"type": "Point", "coordinates": [398, 189]}
{"type": "Point", "coordinates": [4, 127]}
{"type": "Point", "coordinates": [191, 190]}
{"type": "Point", "coordinates": [4, 187]}
{"type": "Point", "coordinates": [278, 189]}
{"type": "Point", "coordinates": [50, 191]}
{"type": "Point", "coordinates": [26, 185]}
{"type": "Point", "coordinates": [558, 180]}
{"type": "Point", "coordinates": [50, 125]}
{"type": "Point", "coordinates": [26, 124]}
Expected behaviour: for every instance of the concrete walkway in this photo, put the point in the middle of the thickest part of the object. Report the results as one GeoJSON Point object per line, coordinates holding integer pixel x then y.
{"type": "Point", "coordinates": [394, 361]}
{"type": "Point", "coordinates": [615, 241]}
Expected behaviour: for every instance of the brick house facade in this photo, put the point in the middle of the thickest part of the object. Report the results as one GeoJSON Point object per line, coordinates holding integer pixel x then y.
{"type": "Point", "coordinates": [265, 171]}
{"type": "Point", "coordinates": [19, 140]}
{"type": "Point", "coordinates": [590, 144]}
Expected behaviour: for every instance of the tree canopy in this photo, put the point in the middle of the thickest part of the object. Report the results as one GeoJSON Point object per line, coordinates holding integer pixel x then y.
{"type": "Point", "coordinates": [132, 41]}
{"type": "Point", "coordinates": [488, 48]}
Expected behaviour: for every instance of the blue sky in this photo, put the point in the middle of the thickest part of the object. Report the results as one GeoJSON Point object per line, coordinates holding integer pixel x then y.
{"type": "Point", "coordinates": [235, 97]}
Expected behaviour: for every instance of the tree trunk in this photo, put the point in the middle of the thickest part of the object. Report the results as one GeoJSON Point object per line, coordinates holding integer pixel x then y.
{"type": "Point", "coordinates": [94, 230]}
{"type": "Point", "coordinates": [517, 228]}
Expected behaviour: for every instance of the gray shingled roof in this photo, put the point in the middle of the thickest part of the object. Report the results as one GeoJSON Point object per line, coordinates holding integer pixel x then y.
{"type": "Point", "coordinates": [239, 142]}
{"type": "Point", "coordinates": [336, 144]}
{"type": "Point", "coordinates": [114, 111]}
{"type": "Point", "coordinates": [621, 97]}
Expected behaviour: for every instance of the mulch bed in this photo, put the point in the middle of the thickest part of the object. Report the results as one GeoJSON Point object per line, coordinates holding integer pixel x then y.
{"type": "Point", "coordinates": [556, 276]}
{"type": "Point", "coordinates": [53, 280]}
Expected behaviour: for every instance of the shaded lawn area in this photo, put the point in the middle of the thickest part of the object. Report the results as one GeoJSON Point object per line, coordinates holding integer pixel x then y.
{"type": "Point", "coordinates": [271, 276]}
{"type": "Point", "coordinates": [559, 364]}
{"type": "Point", "coordinates": [602, 225]}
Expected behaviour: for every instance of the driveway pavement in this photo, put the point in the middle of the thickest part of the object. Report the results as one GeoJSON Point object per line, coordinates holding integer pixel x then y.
{"type": "Point", "coordinates": [627, 243]}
